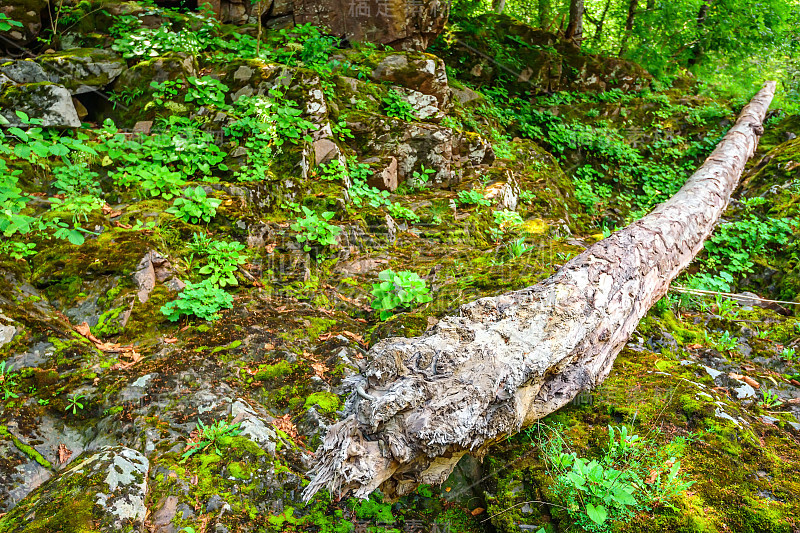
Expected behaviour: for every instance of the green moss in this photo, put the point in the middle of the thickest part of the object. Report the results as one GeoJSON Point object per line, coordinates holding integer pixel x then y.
{"type": "Point", "coordinates": [326, 401]}
{"type": "Point", "coordinates": [30, 451]}
{"type": "Point", "coordinates": [277, 370]}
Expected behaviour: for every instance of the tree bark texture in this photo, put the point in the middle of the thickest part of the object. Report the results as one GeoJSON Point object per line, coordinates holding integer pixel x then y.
{"type": "Point", "coordinates": [575, 26]}
{"type": "Point", "coordinates": [504, 362]}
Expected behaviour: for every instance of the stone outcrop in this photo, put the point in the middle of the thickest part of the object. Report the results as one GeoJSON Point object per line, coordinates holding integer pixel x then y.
{"type": "Point", "coordinates": [101, 490]}
{"type": "Point", "coordinates": [50, 103]}
{"type": "Point", "coordinates": [402, 25]}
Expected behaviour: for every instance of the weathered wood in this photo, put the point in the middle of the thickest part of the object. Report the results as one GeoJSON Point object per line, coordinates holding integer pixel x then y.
{"type": "Point", "coordinates": [504, 362]}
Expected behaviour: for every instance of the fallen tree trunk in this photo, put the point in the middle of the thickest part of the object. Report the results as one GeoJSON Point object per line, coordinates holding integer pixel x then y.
{"type": "Point", "coordinates": [506, 361]}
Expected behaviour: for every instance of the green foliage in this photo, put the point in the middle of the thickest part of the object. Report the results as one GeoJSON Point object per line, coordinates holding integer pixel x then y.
{"type": "Point", "coordinates": [222, 260]}
{"type": "Point", "coordinates": [197, 206]}
{"type": "Point", "coordinates": [472, 197]}
{"type": "Point", "coordinates": [402, 212]}
{"type": "Point", "coordinates": [333, 171]}
{"type": "Point", "coordinates": [314, 228]}
{"type": "Point", "coordinates": [74, 403]}
{"type": "Point", "coordinates": [398, 290]}
{"type": "Point", "coordinates": [204, 300]}
{"type": "Point", "coordinates": [397, 106]}
{"type": "Point", "coordinates": [8, 381]}
{"type": "Point", "coordinates": [733, 245]}
{"type": "Point", "coordinates": [210, 437]}
{"type": "Point", "coordinates": [206, 91]}
{"type": "Point", "coordinates": [158, 180]}
{"type": "Point", "coordinates": [7, 23]}
{"type": "Point", "coordinates": [630, 475]}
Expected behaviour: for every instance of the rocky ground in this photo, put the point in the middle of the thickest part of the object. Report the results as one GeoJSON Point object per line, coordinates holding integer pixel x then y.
{"type": "Point", "coordinates": [105, 397]}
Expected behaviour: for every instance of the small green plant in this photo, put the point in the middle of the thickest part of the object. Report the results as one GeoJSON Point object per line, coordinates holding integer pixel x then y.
{"type": "Point", "coordinates": [400, 211]}
{"type": "Point", "coordinates": [74, 403]}
{"type": "Point", "coordinates": [472, 197]}
{"type": "Point", "coordinates": [17, 250]}
{"type": "Point", "coordinates": [166, 90]}
{"type": "Point", "coordinates": [314, 228]}
{"type": "Point", "coordinates": [768, 399]}
{"type": "Point", "coordinates": [195, 207]}
{"type": "Point", "coordinates": [43, 402]}
{"type": "Point", "coordinates": [726, 342]}
{"type": "Point", "coordinates": [398, 290]}
{"type": "Point", "coordinates": [6, 23]}
{"type": "Point", "coordinates": [517, 248]}
{"type": "Point", "coordinates": [206, 91]}
{"type": "Point", "coordinates": [223, 260]}
{"type": "Point", "coordinates": [333, 171]}
{"type": "Point", "coordinates": [419, 180]}
{"type": "Point", "coordinates": [527, 196]}
{"type": "Point", "coordinates": [8, 381]}
{"type": "Point", "coordinates": [788, 354]}
{"type": "Point", "coordinates": [631, 475]}
{"type": "Point", "coordinates": [397, 106]}
{"type": "Point", "coordinates": [159, 180]}
{"type": "Point", "coordinates": [204, 300]}
{"type": "Point", "coordinates": [215, 435]}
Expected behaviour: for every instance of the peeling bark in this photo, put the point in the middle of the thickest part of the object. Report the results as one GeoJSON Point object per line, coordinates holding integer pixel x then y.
{"type": "Point", "coordinates": [504, 362]}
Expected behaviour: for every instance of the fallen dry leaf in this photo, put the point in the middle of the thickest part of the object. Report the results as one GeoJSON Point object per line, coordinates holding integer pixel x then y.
{"type": "Point", "coordinates": [795, 382]}
{"type": "Point", "coordinates": [734, 375]}
{"type": "Point", "coordinates": [121, 225]}
{"type": "Point", "coordinates": [477, 511]}
{"type": "Point", "coordinates": [285, 424]}
{"type": "Point", "coordinates": [694, 346]}
{"type": "Point", "coordinates": [652, 477]}
{"type": "Point", "coordinates": [319, 369]}
{"type": "Point", "coordinates": [108, 210]}
{"type": "Point", "coordinates": [750, 381]}
{"type": "Point", "coordinates": [64, 454]}
{"type": "Point", "coordinates": [170, 340]}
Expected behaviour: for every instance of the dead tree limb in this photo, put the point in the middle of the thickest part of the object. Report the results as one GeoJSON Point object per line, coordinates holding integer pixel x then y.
{"type": "Point", "coordinates": [504, 362]}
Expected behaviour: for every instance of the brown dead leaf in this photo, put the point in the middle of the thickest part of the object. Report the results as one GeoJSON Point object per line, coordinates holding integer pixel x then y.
{"type": "Point", "coordinates": [793, 401]}
{"type": "Point", "coordinates": [795, 382]}
{"type": "Point", "coordinates": [652, 477]}
{"type": "Point", "coordinates": [750, 381]}
{"type": "Point", "coordinates": [477, 511]}
{"type": "Point", "coordinates": [170, 340]}
{"type": "Point", "coordinates": [285, 424]}
{"type": "Point", "coordinates": [119, 224]}
{"type": "Point", "coordinates": [112, 213]}
{"type": "Point", "coordinates": [320, 369]}
{"type": "Point", "coordinates": [64, 454]}
{"type": "Point", "coordinates": [734, 375]}
{"type": "Point", "coordinates": [694, 346]}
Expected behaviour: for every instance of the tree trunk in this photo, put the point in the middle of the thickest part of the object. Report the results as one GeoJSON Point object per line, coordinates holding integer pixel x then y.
{"type": "Point", "coordinates": [600, 23]}
{"type": "Point", "coordinates": [498, 6]}
{"type": "Point", "coordinates": [544, 14]}
{"type": "Point", "coordinates": [504, 362]}
{"type": "Point", "coordinates": [575, 27]}
{"type": "Point", "coordinates": [697, 49]}
{"type": "Point", "coordinates": [632, 5]}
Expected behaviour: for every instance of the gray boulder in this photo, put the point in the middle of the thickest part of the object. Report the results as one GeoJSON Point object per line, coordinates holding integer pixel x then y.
{"type": "Point", "coordinates": [101, 490]}
{"type": "Point", "coordinates": [82, 70]}
{"type": "Point", "coordinates": [46, 101]}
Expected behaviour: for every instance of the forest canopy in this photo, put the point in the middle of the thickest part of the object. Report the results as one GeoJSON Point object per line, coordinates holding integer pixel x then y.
{"type": "Point", "coordinates": [732, 44]}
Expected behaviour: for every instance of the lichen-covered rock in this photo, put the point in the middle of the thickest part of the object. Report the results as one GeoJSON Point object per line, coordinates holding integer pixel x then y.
{"type": "Point", "coordinates": [24, 71]}
{"type": "Point", "coordinates": [424, 73]}
{"type": "Point", "coordinates": [412, 144]}
{"type": "Point", "coordinates": [46, 101]}
{"type": "Point", "coordinates": [82, 70]}
{"type": "Point", "coordinates": [158, 69]}
{"type": "Point", "coordinates": [404, 25]}
{"type": "Point", "coordinates": [101, 490]}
